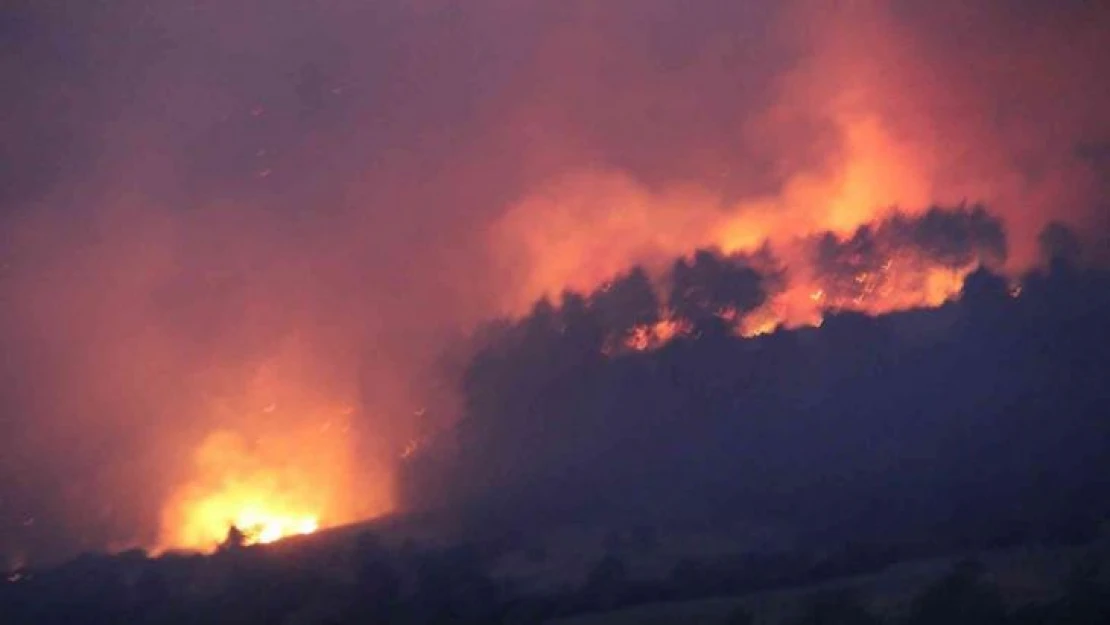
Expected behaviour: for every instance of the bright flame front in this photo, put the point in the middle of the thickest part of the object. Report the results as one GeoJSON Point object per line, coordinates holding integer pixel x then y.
{"type": "Point", "coordinates": [209, 519]}
{"type": "Point", "coordinates": [280, 464]}
{"type": "Point", "coordinates": [268, 488]}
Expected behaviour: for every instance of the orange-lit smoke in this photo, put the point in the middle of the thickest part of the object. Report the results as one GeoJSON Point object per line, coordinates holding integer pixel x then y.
{"type": "Point", "coordinates": [590, 227]}
{"type": "Point", "coordinates": [913, 106]}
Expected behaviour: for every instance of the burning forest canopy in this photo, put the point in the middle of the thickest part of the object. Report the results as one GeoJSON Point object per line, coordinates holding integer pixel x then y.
{"type": "Point", "coordinates": [977, 421]}
{"type": "Point", "coordinates": [241, 239]}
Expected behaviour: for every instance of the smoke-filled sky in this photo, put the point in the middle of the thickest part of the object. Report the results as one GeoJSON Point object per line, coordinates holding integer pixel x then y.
{"type": "Point", "coordinates": [251, 227]}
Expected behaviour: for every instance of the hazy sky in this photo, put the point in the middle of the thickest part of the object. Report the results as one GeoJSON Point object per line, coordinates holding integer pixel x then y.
{"type": "Point", "coordinates": [272, 216]}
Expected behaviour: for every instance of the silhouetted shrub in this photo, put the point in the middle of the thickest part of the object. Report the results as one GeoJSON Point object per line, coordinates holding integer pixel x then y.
{"type": "Point", "coordinates": [1086, 599]}
{"type": "Point", "coordinates": [453, 586]}
{"type": "Point", "coordinates": [644, 538]}
{"type": "Point", "coordinates": [613, 542]}
{"type": "Point", "coordinates": [837, 608]}
{"type": "Point", "coordinates": [740, 616]}
{"type": "Point", "coordinates": [606, 583]}
{"type": "Point", "coordinates": [960, 598]}
{"type": "Point", "coordinates": [536, 552]}
{"type": "Point", "coordinates": [378, 584]}
{"type": "Point", "coordinates": [235, 539]}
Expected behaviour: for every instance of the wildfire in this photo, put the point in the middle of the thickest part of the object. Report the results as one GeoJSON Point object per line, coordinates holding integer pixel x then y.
{"type": "Point", "coordinates": [646, 337]}
{"type": "Point", "coordinates": [758, 324]}
{"type": "Point", "coordinates": [890, 265]}
{"type": "Point", "coordinates": [878, 166]}
{"type": "Point", "coordinates": [268, 487]}
{"type": "Point", "coordinates": [243, 486]}
{"type": "Point", "coordinates": [261, 517]}
{"type": "Point", "coordinates": [283, 464]}
{"type": "Point", "coordinates": [264, 527]}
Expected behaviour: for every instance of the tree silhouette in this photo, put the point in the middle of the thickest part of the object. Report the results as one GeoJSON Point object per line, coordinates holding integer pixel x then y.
{"type": "Point", "coordinates": [960, 598]}
{"type": "Point", "coordinates": [236, 539]}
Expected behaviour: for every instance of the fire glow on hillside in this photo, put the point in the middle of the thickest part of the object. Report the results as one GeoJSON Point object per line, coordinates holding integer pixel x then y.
{"type": "Point", "coordinates": [187, 193]}
{"type": "Point", "coordinates": [290, 479]}
{"type": "Point", "coordinates": [899, 262]}
{"type": "Point", "coordinates": [264, 494]}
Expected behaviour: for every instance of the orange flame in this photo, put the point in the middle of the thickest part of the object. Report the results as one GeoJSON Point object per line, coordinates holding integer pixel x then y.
{"type": "Point", "coordinates": [904, 281]}
{"type": "Point", "coordinates": [248, 487]}
{"type": "Point", "coordinates": [646, 337]}
{"type": "Point", "coordinates": [284, 465]}
{"type": "Point", "coordinates": [269, 487]}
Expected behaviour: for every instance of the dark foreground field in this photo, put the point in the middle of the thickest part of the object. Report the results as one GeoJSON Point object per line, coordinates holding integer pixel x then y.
{"type": "Point", "coordinates": [381, 575]}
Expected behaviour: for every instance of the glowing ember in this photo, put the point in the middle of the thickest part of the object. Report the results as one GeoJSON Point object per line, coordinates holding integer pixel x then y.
{"type": "Point", "coordinates": [410, 448]}
{"type": "Point", "coordinates": [757, 325]}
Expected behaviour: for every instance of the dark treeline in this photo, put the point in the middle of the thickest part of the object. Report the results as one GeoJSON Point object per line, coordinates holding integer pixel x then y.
{"type": "Point", "coordinates": [983, 420]}
{"type": "Point", "coordinates": [410, 585]}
